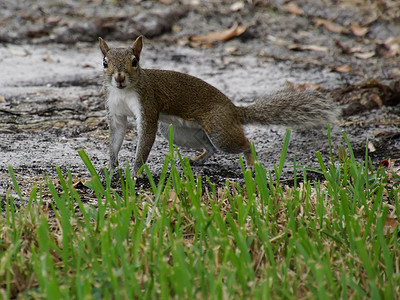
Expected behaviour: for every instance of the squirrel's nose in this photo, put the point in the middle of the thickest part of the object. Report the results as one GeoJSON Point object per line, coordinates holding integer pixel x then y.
{"type": "Point", "coordinates": [120, 78]}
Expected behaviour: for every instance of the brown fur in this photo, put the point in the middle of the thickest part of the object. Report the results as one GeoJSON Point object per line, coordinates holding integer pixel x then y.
{"type": "Point", "coordinates": [191, 100]}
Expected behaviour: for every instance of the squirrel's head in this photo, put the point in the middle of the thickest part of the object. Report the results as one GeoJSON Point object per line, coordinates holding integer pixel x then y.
{"type": "Point", "coordinates": [121, 65]}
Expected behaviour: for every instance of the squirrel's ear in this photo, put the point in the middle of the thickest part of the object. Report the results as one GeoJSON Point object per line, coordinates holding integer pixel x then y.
{"type": "Point", "coordinates": [137, 47]}
{"type": "Point", "coordinates": [103, 46]}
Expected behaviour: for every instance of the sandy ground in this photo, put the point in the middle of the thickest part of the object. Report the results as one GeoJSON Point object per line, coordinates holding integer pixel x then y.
{"type": "Point", "coordinates": [51, 72]}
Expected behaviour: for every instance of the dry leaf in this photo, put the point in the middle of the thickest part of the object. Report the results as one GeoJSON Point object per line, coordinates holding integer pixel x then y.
{"type": "Point", "coordinates": [52, 21]}
{"type": "Point", "coordinates": [18, 52]}
{"type": "Point", "coordinates": [224, 35]}
{"type": "Point", "coordinates": [377, 100]}
{"type": "Point", "coordinates": [239, 5]}
{"type": "Point", "coordinates": [2, 99]}
{"type": "Point", "coordinates": [206, 45]}
{"type": "Point", "coordinates": [358, 30]}
{"type": "Point", "coordinates": [343, 69]}
{"type": "Point", "coordinates": [59, 124]}
{"type": "Point", "coordinates": [172, 196]}
{"type": "Point", "coordinates": [393, 45]}
{"type": "Point", "coordinates": [47, 58]}
{"type": "Point", "coordinates": [384, 163]}
{"type": "Point", "coordinates": [381, 133]}
{"type": "Point", "coordinates": [176, 28]}
{"type": "Point", "coordinates": [371, 18]}
{"type": "Point", "coordinates": [299, 47]}
{"type": "Point", "coordinates": [88, 66]}
{"type": "Point", "coordinates": [364, 55]}
{"type": "Point", "coordinates": [356, 51]}
{"type": "Point", "coordinates": [390, 225]}
{"type": "Point", "coordinates": [347, 49]}
{"type": "Point", "coordinates": [331, 26]}
{"type": "Point", "coordinates": [303, 86]}
{"type": "Point", "coordinates": [277, 41]}
{"type": "Point", "coordinates": [79, 185]}
{"type": "Point", "coordinates": [293, 8]}
{"type": "Point", "coordinates": [315, 48]}
{"type": "Point", "coordinates": [371, 147]}
{"type": "Point", "coordinates": [395, 73]}
{"type": "Point", "coordinates": [37, 33]}
{"type": "Point", "coordinates": [230, 49]}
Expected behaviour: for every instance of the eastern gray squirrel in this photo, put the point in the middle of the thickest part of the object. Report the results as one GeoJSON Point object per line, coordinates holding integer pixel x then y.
{"type": "Point", "coordinates": [202, 116]}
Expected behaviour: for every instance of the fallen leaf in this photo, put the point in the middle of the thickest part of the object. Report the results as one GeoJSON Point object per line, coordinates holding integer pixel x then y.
{"type": "Point", "coordinates": [37, 33]}
{"type": "Point", "coordinates": [176, 28]}
{"type": "Point", "coordinates": [277, 41]}
{"type": "Point", "coordinates": [2, 99]}
{"type": "Point", "coordinates": [381, 133]}
{"type": "Point", "coordinates": [343, 69]}
{"type": "Point", "coordinates": [390, 225]}
{"type": "Point", "coordinates": [357, 51]}
{"type": "Point", "coordinates": [331, 26]}
{"type": "Point", "coordinates": [79, 185]}
{"type": "Point", "coordinates": [371, 147]}
{"type": "Point", "coordinates": [237, 6]}
{"type": "Point", "coordinates": [371, 17]}
{"type": "Point", "coordinates": [366, 96]}
{"type": "Point", "coordinates": [183, 42]}
{"type": "Point", "coordinates": [52, 21]}
{"type": "Point", "coordinates": [347, 49]}
{"type": "Point", "coordinates": [384, 163]}
{"type": "Point", "coordinates": [18, 52]}
{"type": "Point", "coordinates": [395, 73]}
{"type": "Point", "coordinates": [88, 66]}
{"type": "Point", "coordinates": [364, 55]}
{"type": "Point", "coordinates": [393, 45]}
{"type": "Point", "coordinates": [207, 45]}
{"type": "Point", "coordinates": [377, 100]}
{"type": "Point", "coordinates": [47, 58]}
{"type": "Point", "coordinates": [303, 86]}
{"type": "Point", "coordinates": [293, 8]}
{"type": "Point", "coordinates": [299, 47]}
{"type": "Point", "coordinates": [358, 30]}
{"type": "Point", "coordinates": [224, 35]}
{"type": "Point", "coordinates": [230, 49]}
{"type": "Point", "coordinates": [59, 124]}
{"type": "Point", "coordinates": [387, 135]}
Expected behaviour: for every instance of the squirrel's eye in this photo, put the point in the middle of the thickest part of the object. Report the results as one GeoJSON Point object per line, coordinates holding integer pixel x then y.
{"type": "Point", "coordinates": [134, 62]}
{"type": "Point", "coordinates": [105, 64]}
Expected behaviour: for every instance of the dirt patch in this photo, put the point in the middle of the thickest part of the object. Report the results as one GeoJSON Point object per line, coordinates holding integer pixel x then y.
{"type": "Point", "coordinates": [51, 105]}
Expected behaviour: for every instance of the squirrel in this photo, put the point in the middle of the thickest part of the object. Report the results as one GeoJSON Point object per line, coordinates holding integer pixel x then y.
{"type": "Point", "coordinates": [202, 116]}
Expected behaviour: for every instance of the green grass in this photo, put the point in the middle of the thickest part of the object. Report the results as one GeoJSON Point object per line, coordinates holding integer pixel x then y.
{"type": "Point", "coordinates": [337, 238]}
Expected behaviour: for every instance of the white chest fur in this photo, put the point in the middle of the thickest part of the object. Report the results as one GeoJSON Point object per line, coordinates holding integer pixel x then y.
{"type": "Point", "coordinates": [124, 103]}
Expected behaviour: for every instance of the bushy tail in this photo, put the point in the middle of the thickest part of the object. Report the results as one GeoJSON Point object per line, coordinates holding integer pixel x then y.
{"type": "Point", "coordinates": [305, 109]}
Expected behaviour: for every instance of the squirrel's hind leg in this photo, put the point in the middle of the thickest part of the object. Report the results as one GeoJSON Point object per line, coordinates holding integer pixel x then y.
{"type": "Point", "coordinates": [190, 137]}
{"type": "Point", "coordinates": [228, 136]}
